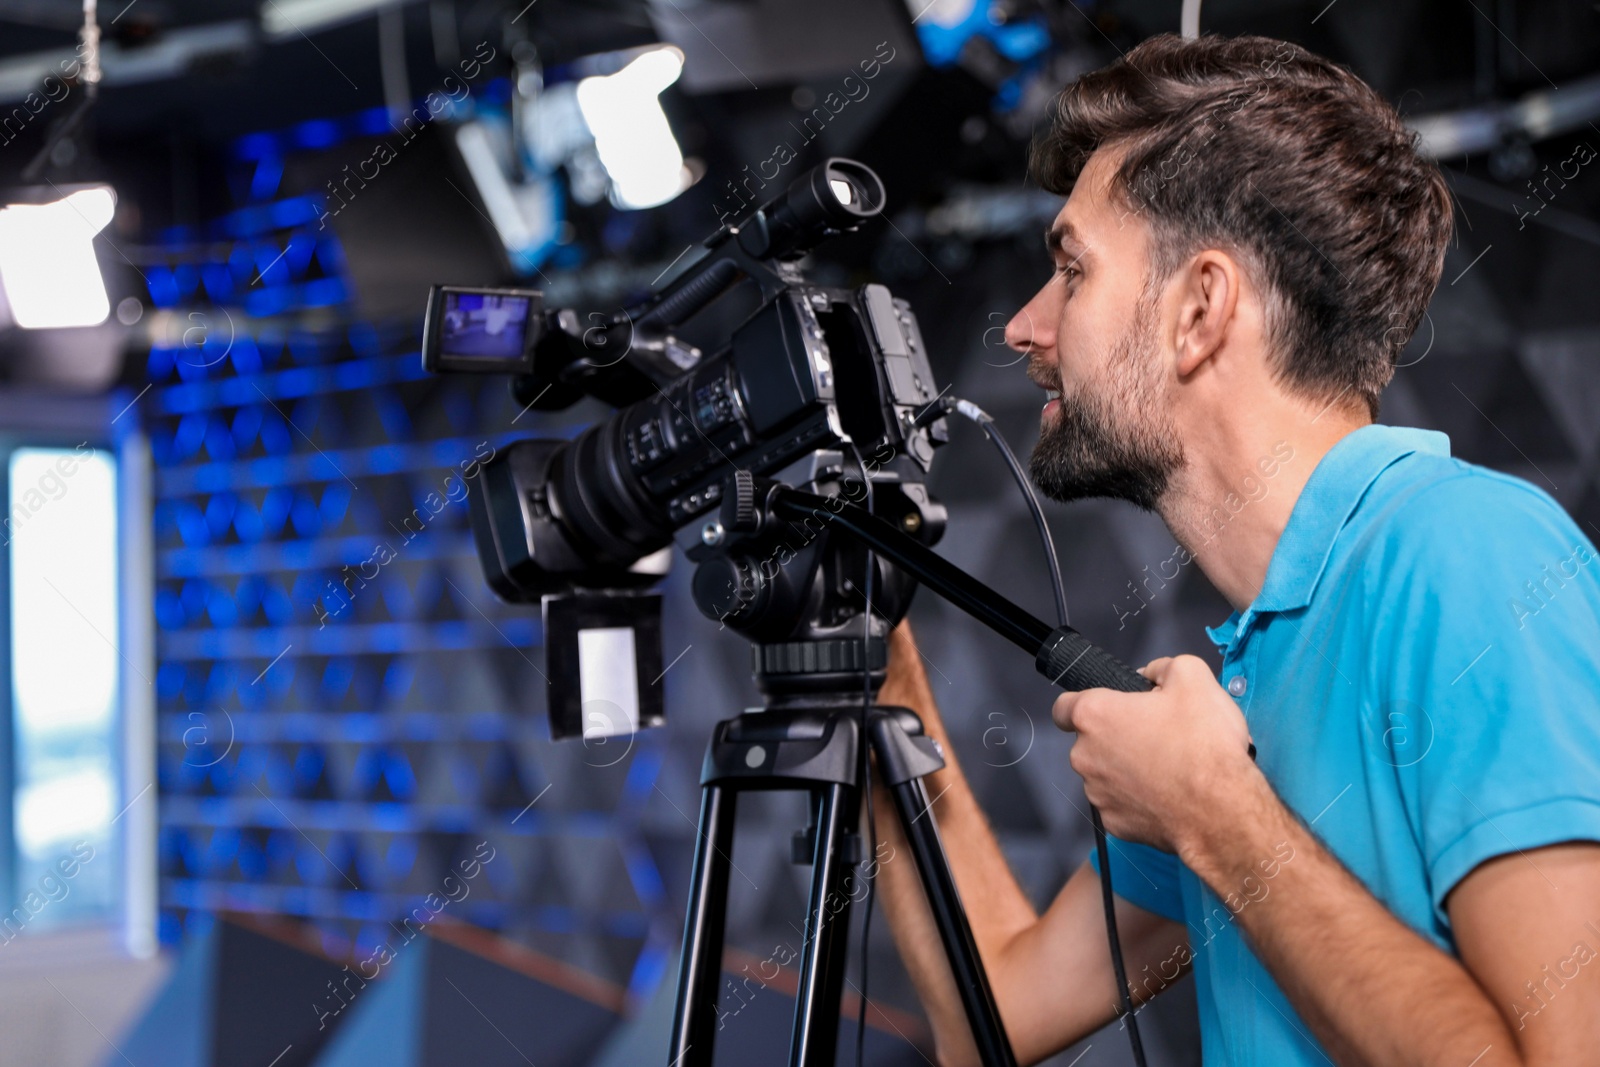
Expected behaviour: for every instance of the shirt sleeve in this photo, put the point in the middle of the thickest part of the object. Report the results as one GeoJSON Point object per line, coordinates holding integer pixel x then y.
{"type": "Point", "coordinates": [1145, 876]}
{"type": "Point", "coordinates": [1489, 643]}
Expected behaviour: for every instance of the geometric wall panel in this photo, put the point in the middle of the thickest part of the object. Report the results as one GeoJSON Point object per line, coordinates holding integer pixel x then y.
{"type": "Point", "coordinates": [346, 713]}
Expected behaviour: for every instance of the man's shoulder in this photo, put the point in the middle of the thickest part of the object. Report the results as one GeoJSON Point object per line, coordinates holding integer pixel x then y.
{"type": "Point", "coordinates": [1444, 509]}
{"type": "Point", "coordinates": [1455, 540]}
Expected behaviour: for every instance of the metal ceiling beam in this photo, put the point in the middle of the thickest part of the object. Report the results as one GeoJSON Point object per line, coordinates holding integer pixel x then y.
{"type": "Point", "coordinates": [281, 19]}
{"type": "Point", "coordinates": [1536, 116]}
{"type": "Point", "coordinates": [169, 56]}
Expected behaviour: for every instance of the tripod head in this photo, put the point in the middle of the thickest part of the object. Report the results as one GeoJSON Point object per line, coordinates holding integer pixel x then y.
{"type": "Point", "coordinates": [797, 586]}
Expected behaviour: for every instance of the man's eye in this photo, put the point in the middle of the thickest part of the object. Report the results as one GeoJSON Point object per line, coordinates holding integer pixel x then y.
{"type": "Point", "coordinates": [1068, 271]}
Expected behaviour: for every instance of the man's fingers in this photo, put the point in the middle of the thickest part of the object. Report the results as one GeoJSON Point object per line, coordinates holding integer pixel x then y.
{"type": "Point", "coordinates": [1157, 669]}
{"type": "Point", "coordinates": [1071, 709]}
{"type": "Point", "coordinates": [1072, 712]}
{"type": "Point", "coordinates": [1061, 711]}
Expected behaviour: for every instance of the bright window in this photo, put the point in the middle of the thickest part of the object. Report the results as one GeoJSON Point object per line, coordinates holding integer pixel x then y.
{"type": "Point", "coordinates": [66, 666]}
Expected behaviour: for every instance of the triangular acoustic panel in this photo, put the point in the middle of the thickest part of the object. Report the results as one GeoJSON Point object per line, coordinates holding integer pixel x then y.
{"type": "Point", "coordinates": [243, 994]}
{"type": "Point", "coordinates": [456, 994]}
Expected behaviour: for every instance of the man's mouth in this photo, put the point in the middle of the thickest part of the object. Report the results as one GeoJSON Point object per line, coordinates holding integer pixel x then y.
{"type": "Point", "coordinates": [1046, 378]}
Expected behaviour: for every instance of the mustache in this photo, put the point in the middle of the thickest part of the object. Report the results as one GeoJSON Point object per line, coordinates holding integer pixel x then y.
{"type": "Point", "coordinates": [1044, 375]}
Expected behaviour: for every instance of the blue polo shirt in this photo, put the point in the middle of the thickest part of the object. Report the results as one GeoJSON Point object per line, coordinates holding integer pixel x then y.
{"type": "Point", "coordinates": [1421, 675]}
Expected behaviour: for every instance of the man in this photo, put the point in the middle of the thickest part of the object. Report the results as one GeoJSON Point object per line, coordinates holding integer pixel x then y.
{"type": "Point", "coordinates": [1409, 873]}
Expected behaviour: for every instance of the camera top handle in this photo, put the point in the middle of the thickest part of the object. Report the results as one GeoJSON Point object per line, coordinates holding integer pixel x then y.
{"type": "Point", "coordinates": [628, 355]}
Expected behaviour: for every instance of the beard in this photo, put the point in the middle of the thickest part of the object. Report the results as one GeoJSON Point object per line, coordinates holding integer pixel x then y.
{"type": "Point", "coordinates": [1119, 443]}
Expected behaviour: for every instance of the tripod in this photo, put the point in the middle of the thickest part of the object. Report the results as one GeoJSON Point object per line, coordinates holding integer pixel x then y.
{"type": "Point", "coordinates": [817, 749]}
{"type": "Point", "coordinates": [810, 739]}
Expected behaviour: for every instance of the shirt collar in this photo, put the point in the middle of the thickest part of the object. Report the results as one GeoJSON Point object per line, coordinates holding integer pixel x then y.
{"type": "Point", "coordinates": [1330, 496]}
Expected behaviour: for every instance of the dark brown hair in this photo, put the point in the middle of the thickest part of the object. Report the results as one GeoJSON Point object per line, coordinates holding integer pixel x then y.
{"type": "Point", "coordinates": [1290, 161]}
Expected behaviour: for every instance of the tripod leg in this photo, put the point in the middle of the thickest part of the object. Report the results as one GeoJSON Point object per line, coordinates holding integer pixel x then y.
{"type": "Point", "coordinates": [695, 1024]}
{"type": "Point", "coordinates": [822, 964]}
{"type": "Point", "coordinates": [911, 802]}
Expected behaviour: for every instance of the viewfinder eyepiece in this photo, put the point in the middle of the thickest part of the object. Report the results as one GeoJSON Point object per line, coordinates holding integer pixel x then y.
{"type": "Point", "coordinates": [836, 196]}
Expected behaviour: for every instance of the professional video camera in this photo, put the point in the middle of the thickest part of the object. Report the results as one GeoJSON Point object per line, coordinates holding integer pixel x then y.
{"type": "Point", "coordinates": [790, 463]}
{"type": "Point", "coordinates": [817, 387]}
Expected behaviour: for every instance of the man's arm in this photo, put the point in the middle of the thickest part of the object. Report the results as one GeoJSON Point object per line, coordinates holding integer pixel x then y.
{"type": "Point", "coordinates": [1375, 992]}
{"type": "Point", "coordinates": [1051, 975]}
{"type": "Point", "coordinates": [1371, 989]}
{"type": "Point", "coordinates": [1527, 926]}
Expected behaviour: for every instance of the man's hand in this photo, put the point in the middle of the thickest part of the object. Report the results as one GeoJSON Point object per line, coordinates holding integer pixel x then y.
{"type": "Point", "coordinates": [1158, 763]}
{"type": "Point", "coordinates": [1170, 768]}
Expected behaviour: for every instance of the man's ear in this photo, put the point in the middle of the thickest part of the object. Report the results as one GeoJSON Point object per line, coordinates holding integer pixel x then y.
{"type": "Point", "coordinates": [1208, 298]}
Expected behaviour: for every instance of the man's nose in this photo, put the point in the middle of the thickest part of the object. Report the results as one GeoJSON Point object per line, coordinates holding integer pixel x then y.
{"type": "Point", "coordinates": [1028, 329]}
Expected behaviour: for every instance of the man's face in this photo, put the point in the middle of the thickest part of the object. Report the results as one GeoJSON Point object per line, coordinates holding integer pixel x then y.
{"type": "Point", "coordinates": [1093, 339]}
